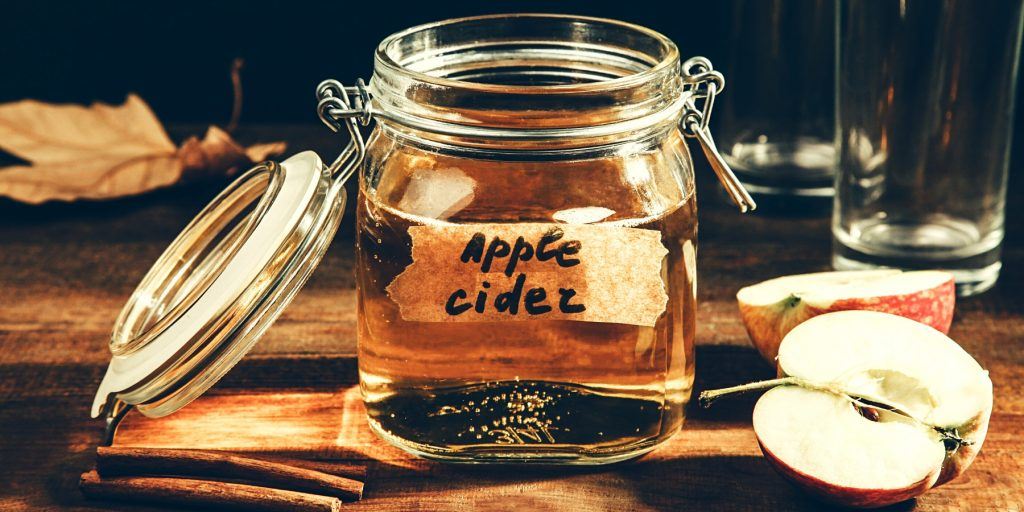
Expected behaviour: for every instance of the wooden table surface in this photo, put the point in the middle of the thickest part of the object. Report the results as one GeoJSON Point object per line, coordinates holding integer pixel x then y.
{"type": "Point", "coordinates": [66, 270]}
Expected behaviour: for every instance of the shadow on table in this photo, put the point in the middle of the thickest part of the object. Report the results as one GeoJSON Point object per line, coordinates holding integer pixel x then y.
{"type": "Point", "coordinates": [694, 483]}
{"type": "Point", "coordinates": [721, 366]}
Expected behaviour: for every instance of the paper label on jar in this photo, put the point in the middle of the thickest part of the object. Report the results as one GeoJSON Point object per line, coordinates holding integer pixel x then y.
{"type": "Point", "coordinates": [519, 272]}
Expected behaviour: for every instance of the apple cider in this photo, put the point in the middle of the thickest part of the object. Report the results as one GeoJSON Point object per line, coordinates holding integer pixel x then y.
{"type": "Point", "coordinates": [526, 238]}
{"type": "Point", "coordinates": [529, 388]}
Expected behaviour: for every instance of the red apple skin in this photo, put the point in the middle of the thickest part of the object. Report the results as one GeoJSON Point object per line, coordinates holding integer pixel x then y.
{"type": "Point", "coordinates": [932, 307]}
{"type": "Point", "coordinates": [847, 496]}
{"type": "Point", "coordinates": [767, 325]}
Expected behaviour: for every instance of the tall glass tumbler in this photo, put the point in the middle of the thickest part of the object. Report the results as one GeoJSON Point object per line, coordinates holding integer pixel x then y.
{"type": "Point", "coordinates": [776, 123]}
{"type": "Point", "coordinates": [925, 117]}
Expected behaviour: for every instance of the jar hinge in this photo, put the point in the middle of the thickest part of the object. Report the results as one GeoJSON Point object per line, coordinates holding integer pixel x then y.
{"type": "Point", "coordinates": [704, 83]}
{"type": "Point", "coordinates": [335, 110]}
{"type": "Point", "coordinates": [114, 412]}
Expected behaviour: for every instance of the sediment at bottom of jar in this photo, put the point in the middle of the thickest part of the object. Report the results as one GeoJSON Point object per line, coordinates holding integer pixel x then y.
{"type": "Point", "coordinates": [534, 422]}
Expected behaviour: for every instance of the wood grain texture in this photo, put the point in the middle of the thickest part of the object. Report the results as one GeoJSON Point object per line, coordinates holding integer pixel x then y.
{"type": "Point", "coordinates": [207, 494]}
{"type": "Point", "coordinates": [66, 270]}
{"type": "Point", "coordinates": [114, 461]}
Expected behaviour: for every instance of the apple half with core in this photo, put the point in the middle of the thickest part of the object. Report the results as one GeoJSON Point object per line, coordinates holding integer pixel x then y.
{"type": "Point", "coordinates": [870, 408]}
{"type": "Point", "coordinates": [772, 308]}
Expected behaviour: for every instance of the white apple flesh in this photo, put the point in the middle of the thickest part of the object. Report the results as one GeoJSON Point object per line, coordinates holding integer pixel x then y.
{"type": "Point", "coordinates": [824, 445]}
{"type": "Point", "coordinates": [845, 363]}
{"type": "Point", "coordinates": [772, 308]}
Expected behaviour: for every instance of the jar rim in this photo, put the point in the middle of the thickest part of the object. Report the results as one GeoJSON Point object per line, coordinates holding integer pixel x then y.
{"type": "Point", "coordinates": [384, 57]}
{"type": "Point", "coordinates": [528, 80]}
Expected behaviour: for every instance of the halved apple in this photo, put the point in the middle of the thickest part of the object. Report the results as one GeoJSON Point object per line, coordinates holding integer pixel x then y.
{"type": "Point", "coordinates": [871, 408]}
{"type": "Point", "coordinates": [772, 308]}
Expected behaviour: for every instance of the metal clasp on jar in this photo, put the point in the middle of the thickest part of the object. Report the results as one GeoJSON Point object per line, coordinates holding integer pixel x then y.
{"type": "Point", "coordinates": [704, 84]}
{"type": "Point", "coordinates": [701, 81]}
{"type": "Point", "coordinates": [337, 111]}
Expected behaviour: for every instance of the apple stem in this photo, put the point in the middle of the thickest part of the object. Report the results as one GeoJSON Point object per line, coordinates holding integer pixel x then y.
{"type": "Point", "coordinates": [950, 436]}
{"type": "Point", "coordinates": [709, 396]}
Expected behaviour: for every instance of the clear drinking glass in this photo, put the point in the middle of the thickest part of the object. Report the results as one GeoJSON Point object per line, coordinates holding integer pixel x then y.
{"type": "Point", "coordinates": [925, 115]}
{"type": "Point", "coordinates": [776, 125]}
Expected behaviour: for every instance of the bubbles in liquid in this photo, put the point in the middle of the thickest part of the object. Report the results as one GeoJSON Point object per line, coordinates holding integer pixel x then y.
{"type": "Point", "coordinates": [527, 389]}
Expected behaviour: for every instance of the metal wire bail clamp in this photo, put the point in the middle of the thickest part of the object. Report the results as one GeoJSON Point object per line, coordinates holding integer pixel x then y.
{"type": "Point", "coordinates": [704, 83]}
{"type": "Point", "coordinates": [335, 110]}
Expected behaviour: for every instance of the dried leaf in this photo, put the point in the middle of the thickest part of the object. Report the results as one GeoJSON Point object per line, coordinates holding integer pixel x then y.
{"type": "Point", "coordinates": [104, 151]}
{"type": "Point", "coordinates": [217, 150]}
{"type": "Point", "coordinates": [260, 152]}
{"type": "Point", "coordinates": [94, 178]}
{"type": "Point", "coordinates": [45, 133]}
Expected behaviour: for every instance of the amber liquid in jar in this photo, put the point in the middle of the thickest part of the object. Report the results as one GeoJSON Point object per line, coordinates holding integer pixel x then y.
{"type": "Point", "coordinates": [537, 390]}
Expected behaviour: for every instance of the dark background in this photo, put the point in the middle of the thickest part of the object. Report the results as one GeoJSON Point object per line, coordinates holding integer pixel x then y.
{"type": "Point", "coordinates": [177, 55]}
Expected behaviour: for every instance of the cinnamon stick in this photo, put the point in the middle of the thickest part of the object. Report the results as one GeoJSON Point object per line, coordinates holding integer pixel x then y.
{"type": "Point", "coordinates": [203, 493]}
{"type": "Point", "coordinates": [345, 469]}
{"type": "Point", "coordinates": [115, 461]}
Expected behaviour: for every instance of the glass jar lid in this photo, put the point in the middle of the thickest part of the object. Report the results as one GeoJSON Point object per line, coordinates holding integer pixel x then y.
{"type": "Point", "coordinates": [220, 285]}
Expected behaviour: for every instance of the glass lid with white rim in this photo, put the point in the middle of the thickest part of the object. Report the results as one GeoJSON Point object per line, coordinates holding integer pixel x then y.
{"type": "Point", "coordinates": [219, 285]}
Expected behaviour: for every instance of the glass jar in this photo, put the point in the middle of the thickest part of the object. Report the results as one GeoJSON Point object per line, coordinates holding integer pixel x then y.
{"type": "Point", "coordinates": [511, 127]}
{"type": "Point", "coordinates": [526, 245]}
